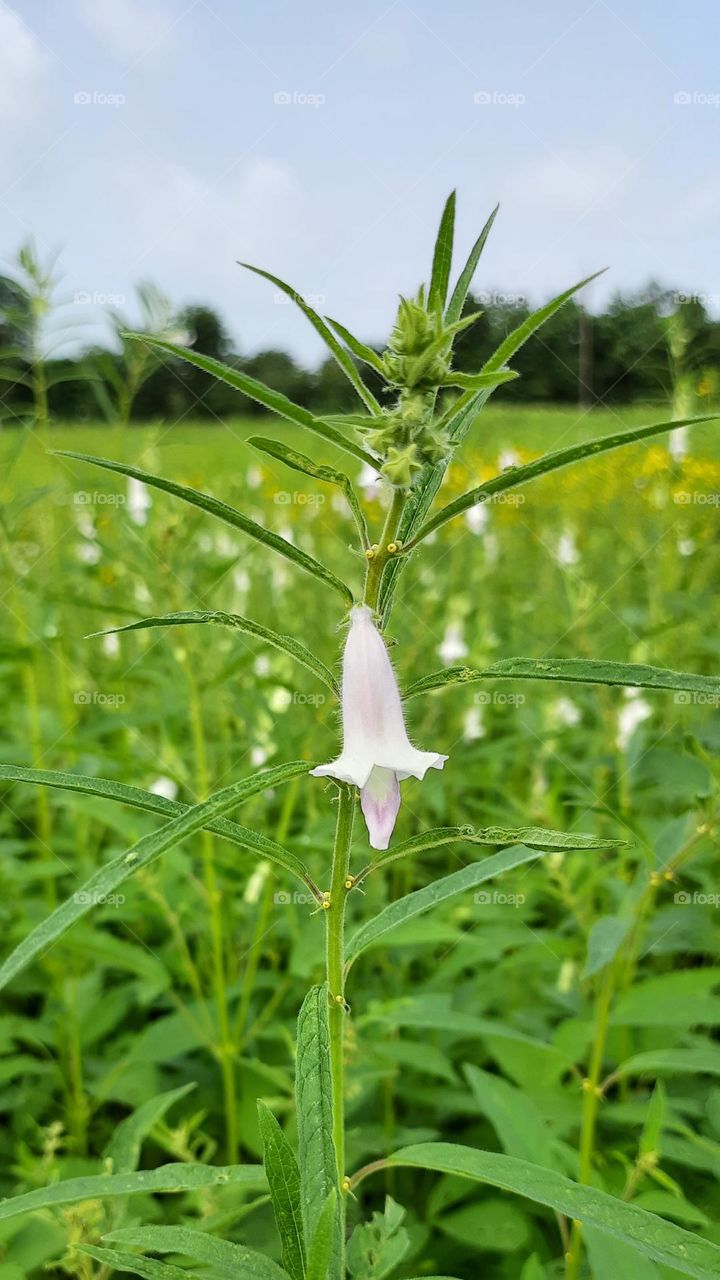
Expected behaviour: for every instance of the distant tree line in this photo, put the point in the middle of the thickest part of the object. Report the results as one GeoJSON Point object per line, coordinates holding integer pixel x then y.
{"type": "Point", "coordinates": [655, 345]}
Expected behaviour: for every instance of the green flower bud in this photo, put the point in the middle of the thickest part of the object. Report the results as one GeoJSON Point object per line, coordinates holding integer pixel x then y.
{"type": "Point", "coordinates": [402, 465]}
{"type": "Point", "coordinates": [434, 446]}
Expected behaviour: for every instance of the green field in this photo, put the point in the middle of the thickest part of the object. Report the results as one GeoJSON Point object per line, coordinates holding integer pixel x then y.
{"type": "Point", "coordinates": [475, 1023]}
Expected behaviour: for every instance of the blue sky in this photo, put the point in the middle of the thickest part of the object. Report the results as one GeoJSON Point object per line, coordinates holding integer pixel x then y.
{"type": "Point", "coordinates": [145, 139]}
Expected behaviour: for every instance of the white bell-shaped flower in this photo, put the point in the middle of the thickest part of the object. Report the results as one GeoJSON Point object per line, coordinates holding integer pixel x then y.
{"type": "Point", "coordinates": [377, 753]}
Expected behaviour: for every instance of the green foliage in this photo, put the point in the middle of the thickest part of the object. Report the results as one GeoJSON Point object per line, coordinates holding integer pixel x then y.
{"type": "Point", "coordinates": [166, 1179]}
{"type": "Point", "coordinates": [283, 1175]}
{"type": "Point", "coordinates": [224, 512]}
{"type": "Point", "coordinates": [532, 1031]}
{"type": "Point", "coordinates": [649, 1235]}
{"type": "Point", "coordinates": [225, 1258]}
{"type": "Point", "coordinates": [142, 854]}
{"type": "Point", "coordinates": [313, 1088]}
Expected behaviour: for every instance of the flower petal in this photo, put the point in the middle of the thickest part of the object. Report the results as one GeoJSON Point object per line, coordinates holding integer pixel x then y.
{"type": "Point", "coordinates": [380, 801]}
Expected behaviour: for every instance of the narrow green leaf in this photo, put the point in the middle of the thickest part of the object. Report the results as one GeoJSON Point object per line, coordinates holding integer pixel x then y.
{"type": "Point", "coordinates": [378, 1247]}
{"type": "Point", "coordinates": [286, 644]}
{"type": "Point", "coordinates": [299, 462]}
{"type": "Point", "coordinates": [652, 1236]}
{"type": "Point", "coordinates": [223, 512]}
{"type": "Point", "coordinates": [146, 1268]}
{"type": "Point", "coordinates": [431, 895]}
{"type": "Point", "coordinates": [610, 1259]}
{"type": "Point", "coordinates": [327, 336]}
{"type": "Point", "coordinates": [143, 854]}
{"type": "Point", "coordinates": [460, 292]}
{"type": "Point", "coordinates": [230, 1260]}
{"type": "Point", "coordinates": [531, 837]}
{"type": "Point", "coordinates": [570, 671]}
{"type": "Point", "coordinates": [604, 941]}
{"type": "Point", "coordinates": [654, 1122]}
{"type": "Point", "coordinates": [534, 1270]}
{"type": "Point", "coordinates": [425, 1014]}
{"type": "Point", "coordinates": [515, 1117]}
{"type": "Point", "coordinates": [670, 1062]}
{"type": "Point", "coordinates": [678, 998]}
{"type": "Point", "coordinates": [123, 1150]}
{"type": "Point", "coordinates": [519, 336]}
{"type": "Point", "coordinates": [168, 1178]}
{"type": "Point", "coordinates": [359, 349]}
{"type": "Point", "coordinates": [514, 476]}
{"type": "Point", "coordinates": [324, 1240]}
{"type": "Point", "coordinates": [148, 800]}
{"type": "Point", "coordinates": [478, 381]}
{"type": "Point", "coordinates": [442, 257]}
{"type": "Point", "coordinates": [273, 400]}
{"type": "Point", "coordinates": [313, 1087]}
{"type": "Point", "coordinates": [283, 1176]}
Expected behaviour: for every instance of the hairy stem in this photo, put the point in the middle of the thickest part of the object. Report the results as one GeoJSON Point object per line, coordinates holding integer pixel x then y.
{"type": "Point", "coordinates": [335, 960]}
{"type": "Point", "coordinates": [381, 556]}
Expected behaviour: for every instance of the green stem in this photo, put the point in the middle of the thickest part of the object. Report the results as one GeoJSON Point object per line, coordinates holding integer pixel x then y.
{"type": "Point", "coordinates": [77, 1101]}
{"type": "Point", "coordinates": [225, 1049]}
{"type": "Point", "coordinates": [335, 959]}
{"type": "Point", "coordinates": [592, 1093]}
{"type": "Point", "coordinates": [251, 958]}
{"type": "Point", "coordinates": [381, 555]}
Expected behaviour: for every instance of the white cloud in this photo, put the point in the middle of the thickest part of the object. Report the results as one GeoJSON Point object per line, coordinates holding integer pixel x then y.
{"type": "Point", "coordinates": [128, 28]}
{"type": "Point", "coordinates": [570, 182]}
{"type": "Point", "coordinates": [23, 63]}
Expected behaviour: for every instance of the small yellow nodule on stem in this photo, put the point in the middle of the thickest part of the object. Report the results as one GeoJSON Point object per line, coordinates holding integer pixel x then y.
{"type": "Point", "coordinates": [589, 1087]}
{"type": "Point", "coordinates": [350, 883]}
{"type": "Point", "coordinates": [326, 902]}
{"type": "Point", "coordinates": [393, 547]}
{"type": "Point", "coordinates": [340, 1000]}
{"type": "Point", "coordinates": [346, 1184]}
{"type": "Point", "coordinates": [371, 552]}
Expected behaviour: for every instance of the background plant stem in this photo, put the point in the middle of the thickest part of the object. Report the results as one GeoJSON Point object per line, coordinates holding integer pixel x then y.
{"type": "Point", "coordinates": [225, 1049]}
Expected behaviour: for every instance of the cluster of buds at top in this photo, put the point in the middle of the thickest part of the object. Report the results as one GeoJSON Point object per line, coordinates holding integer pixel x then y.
{"type": "Point", "coordinates": [416, 364]}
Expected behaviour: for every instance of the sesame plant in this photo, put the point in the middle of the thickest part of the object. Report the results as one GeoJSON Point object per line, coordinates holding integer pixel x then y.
{"type": "Point", "coordinates": [415, 409]}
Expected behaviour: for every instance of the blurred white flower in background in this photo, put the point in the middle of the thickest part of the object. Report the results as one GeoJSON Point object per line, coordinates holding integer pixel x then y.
{"type": "Point", "coordinates": [256, 883]}
{"type": "Point", "coordinates": [453, 646]}
{"type": "Point", "coordinates": [678, 443]}
{"type": "Point", "coordinates": [635, 710]}
{"type": "Point", "coordinates": [566, 552]}
{"type": "Point", "coordinates": [111, 644]}
{"type": "Point", "coordinates": [163, 786]}
{"type": "Point", "coordinates": [476, 518]}
{"type": "Point", "coordinates": [139, 501]}
{"type": "Point", "coordinates": [473, 727]}
{"type": "Point", "coordinates": [241, 581]}
{"type": "Point", "coordinates": [88, 553]}
{"type": "Point", "coordinates": [565, 712]}
{"type": "Point", "coordinates": [279, 699]}
{"type": "Point", "coordinates": [368, 481]}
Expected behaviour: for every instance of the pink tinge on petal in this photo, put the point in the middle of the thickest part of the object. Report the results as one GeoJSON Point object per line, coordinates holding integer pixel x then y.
{"type": "Point", "coordinates": [380, 802]}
